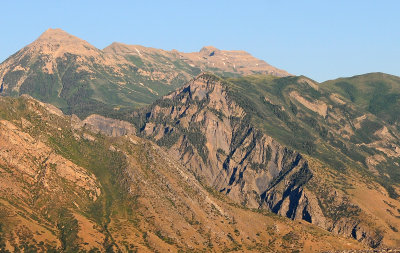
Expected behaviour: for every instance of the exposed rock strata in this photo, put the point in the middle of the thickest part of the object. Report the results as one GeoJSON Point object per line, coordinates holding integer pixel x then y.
{"type": "Point", "coordinates": [209, 132]}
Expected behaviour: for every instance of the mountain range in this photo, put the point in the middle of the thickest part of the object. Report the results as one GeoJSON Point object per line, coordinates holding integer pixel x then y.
{"type": "Point", "coordinates": [139, 149]}
{"type": "Point", "coordinates": [75, 76]}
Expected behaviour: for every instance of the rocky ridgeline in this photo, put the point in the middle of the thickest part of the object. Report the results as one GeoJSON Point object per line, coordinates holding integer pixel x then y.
{"type": "Point", "coordinates": [211, 134]}
{"type": "Point", "coordinates": [81, 79]}
{"type": "Point", "coordinates": [107, 126]}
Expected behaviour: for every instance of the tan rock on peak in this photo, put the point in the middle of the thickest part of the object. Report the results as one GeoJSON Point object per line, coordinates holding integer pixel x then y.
{"type": "Point", "coordinates": [125, 49]}
{"type": "Point", "coordinates": [54, 44]}
{"type": "Point", "coordinates": [137, 66]}
{"type": "Point", "coordinates": [209, 50]}
{"type": "Point", "coordinates": [57, 34]}
{"type": "Point", "coordinates": [59, 42]}
{"type": "Point", "coordinates": [209, 58]}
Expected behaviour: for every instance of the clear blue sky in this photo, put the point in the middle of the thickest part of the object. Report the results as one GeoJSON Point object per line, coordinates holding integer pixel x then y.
{"type": "Point", "coordinates": [321, 39]}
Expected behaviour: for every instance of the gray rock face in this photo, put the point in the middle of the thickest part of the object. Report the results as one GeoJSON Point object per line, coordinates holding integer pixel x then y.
{"type": "Point", "coordinates": [107, 126]}
{"type": "Point", "coordinates": [207, 130]}
{"type": "Point", "coordinates": [212, 135]}
{"type": "Point", "coordinates": [358, 231]}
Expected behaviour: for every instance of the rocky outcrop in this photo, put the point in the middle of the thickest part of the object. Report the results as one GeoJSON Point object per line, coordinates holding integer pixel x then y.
{"type": "Point", "coordinates": [110, 127]}
{"type": "Point", "coordinates": [203, 126]}
{"type": "Point", "coordinates": [360, 232]}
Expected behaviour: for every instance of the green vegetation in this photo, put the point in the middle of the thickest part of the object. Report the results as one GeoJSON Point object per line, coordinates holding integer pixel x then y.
{"type": "Point", "coordinates": [68, 227]}
{"type": "Point", "coordinates": [265, 97]}
{"type": "Point", "coordinates": [2, 241]}
{"type": "Point", "coordinates": [108, 167]}
{"type": "Point", "coordinates": [269, 106]}
{"type": "Point", "coordinates": [164, 238]}
{"type": "Point", "coordinates": [198, 140]}
{"type": "Point", "coordinates": [376, 93]}
{"type": "Point", "coordinates": [349, 90]}
{"type": "Point", "coordinates": [136, 60]}
{"type": "Point", "coordinates": [169, 139]}
{"type": "Point", "coordinates": [81, 92]}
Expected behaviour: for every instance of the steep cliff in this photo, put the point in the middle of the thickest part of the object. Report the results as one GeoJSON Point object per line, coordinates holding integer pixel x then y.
{"type": "Point", "coordinates": [221, 132]}
{"type": "Point", "coordinates": [213, 136]}
{"type": "Point", "coordinates": [107, 126]}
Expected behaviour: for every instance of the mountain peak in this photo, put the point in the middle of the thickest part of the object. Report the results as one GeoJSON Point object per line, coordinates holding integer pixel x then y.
{"type": "Point", "coordinates": [57, 35]}
{"type": "Point", "coordinates": [122, 48]}
{"type": "Point", "coordinates": [51, 45]}
{"type": "Point", "coordinates": [53, 31]}
{"type": "Point", "coordinates": [56, 42]}
{"type": "Point", "coordinates": [209, 50]}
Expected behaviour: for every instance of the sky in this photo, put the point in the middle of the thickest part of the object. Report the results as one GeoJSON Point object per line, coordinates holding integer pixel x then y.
{"type": "Point", "coordinates": [320, 39]}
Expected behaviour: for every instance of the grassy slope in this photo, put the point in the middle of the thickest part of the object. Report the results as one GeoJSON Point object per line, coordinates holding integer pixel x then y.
{"type": "Point", "coordinates": [377, 93]}
{"type": "Point", "coordinates": [285, 119]}
{"type": "Point", "coordinates": [280, 116]}
{"type": "Point", "coordinates": [291, 123]}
